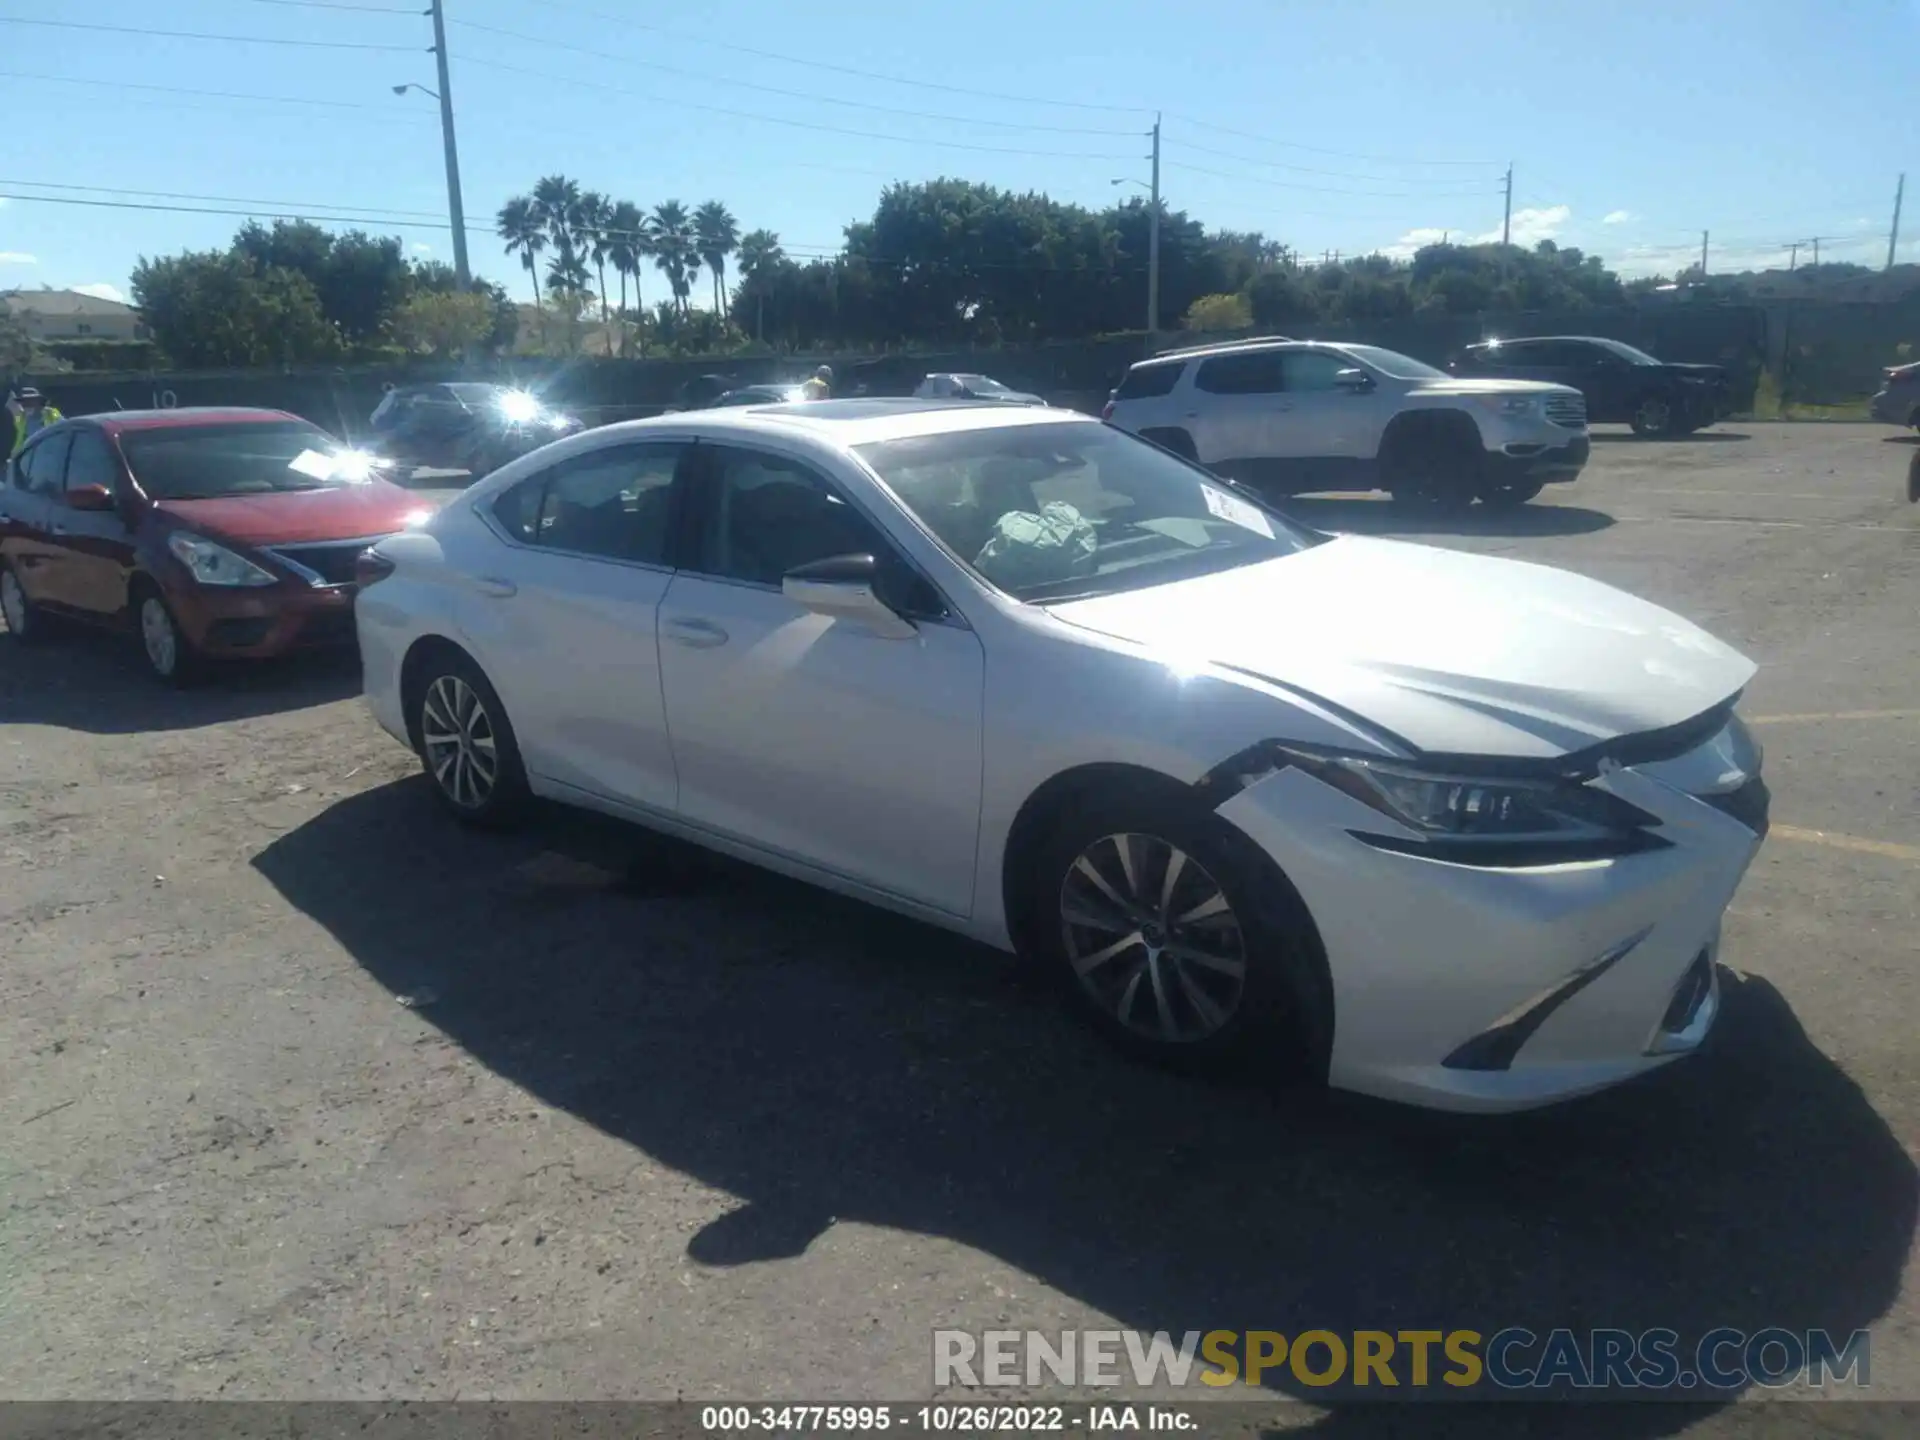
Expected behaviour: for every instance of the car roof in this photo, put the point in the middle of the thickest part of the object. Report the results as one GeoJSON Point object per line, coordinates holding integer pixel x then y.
{"type": "Point", "coordinates": [857, 422]}
{"type": "Point", "coordinates": [119, 422]}
{"type": "Point", "coordinates": [1224, 347]}
{"type": "Point", "coordinates": [1530, 339]}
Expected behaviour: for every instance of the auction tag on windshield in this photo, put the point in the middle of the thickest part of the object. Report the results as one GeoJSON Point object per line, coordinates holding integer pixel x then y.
{"type": "Point", "coordinates": [1231, 507]}
{"type": "Point", "coordinates": [312, 464]}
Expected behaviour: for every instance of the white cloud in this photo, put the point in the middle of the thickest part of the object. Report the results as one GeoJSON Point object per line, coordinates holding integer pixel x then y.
{"type": "Point", "coordinates": [100, 290]}
{"type": "Point", "coordinates": [1618, 217]}
{"type": "Point", "coordinates": [1529, 227]}
{"type": "Point", "coordinates": [420, 247]}
{"type": "Point", "coordinates": [18, 257]}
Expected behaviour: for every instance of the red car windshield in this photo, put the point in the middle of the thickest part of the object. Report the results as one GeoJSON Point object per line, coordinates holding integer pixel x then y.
{"type": "Point", "coordinates": [204, 462]}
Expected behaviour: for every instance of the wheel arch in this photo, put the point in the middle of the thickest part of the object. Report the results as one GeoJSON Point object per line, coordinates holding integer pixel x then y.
{"type": "Point", "coordinates": [413, 667]}
{"type": "Point", "coordinates": [1441, 423]}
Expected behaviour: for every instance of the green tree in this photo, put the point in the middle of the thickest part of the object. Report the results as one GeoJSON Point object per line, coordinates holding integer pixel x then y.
{"type": "Point", "coordinates": [223, 308]}
{"type": "Point", "coordinates": [1219, 312]}
{"type": "Point", "coordinates": [596, 220]}
{"type": "Point", "coordinates": [675, 250]}
{"type": "Point", "coordinates": [759, 251]}
{"type": "Point", "coordinates": [716, 236]}
{"type": "Point", "coordinates": [523, 234]}
{"type": "Point", "coordinates": [361, 279]}
{"type": "Point", "coordinates": [446, 324]}
{"type": "Point", "coordinates": [626, 247]}
{"type": "Point", "coordinates": [1278, 297]}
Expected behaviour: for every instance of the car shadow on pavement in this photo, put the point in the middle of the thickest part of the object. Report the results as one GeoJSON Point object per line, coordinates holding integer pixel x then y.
{"type": "Point", "coordinates": [828, 1062]}
{"type": "Point", "coordinates": [1698, 437]}
{"type": "Point", "coordinates": [1384, 517]}
{"type": "Point", "coordinates": [96, 681]}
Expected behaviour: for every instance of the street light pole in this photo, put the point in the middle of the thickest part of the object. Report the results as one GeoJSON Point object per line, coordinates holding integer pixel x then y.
{"type": "Point", "coordinates": [1153, 242]}
{"type": "Point", "coordinates": [456, 215]}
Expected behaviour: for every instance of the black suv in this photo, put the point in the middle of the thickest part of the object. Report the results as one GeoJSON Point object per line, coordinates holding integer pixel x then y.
{"type": "Point", "coordinates": [1622, 385]}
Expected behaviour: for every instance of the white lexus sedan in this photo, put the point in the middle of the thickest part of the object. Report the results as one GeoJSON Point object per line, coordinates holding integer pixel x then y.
{"type": "Point", "coordinates": [1437, 827]}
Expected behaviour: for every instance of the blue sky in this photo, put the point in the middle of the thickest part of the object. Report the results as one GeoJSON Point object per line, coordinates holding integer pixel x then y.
{"type": "Point", "coordinates": [1348, 127]}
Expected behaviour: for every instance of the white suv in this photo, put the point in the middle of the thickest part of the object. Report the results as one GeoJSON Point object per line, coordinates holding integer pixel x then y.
{"type": "Point", "coordinates": [1291, 416]}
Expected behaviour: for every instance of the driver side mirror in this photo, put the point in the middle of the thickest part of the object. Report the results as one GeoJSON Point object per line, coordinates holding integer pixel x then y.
{"type": "Point", "coordinates": [843, 587]}
{"type": "Point", "coordinates": [1357, 382]}
{"type": "Point", "coordinates": [94, 498]}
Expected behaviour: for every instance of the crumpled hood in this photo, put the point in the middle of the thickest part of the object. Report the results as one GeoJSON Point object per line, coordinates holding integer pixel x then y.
{"type": "Point", "coordinates": [1454, 653]}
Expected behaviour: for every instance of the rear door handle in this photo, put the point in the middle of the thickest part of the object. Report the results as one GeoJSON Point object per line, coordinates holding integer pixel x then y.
{"type": "Point", "coordinates": [695, 633]}
{"type": "Point", "coordinates": [493, 585]}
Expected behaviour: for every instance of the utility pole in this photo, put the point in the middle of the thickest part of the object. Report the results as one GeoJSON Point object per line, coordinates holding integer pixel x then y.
{"type": "Point", "coordinates": [1793, 256]}
{"type": "Point", "coordinates": [1506, 217]}
{"type": "Point", "coordinates": [1893, 236]}
{"type": "Point", "coordinates": [1703, 253]}
{"type": "Point", "coordinates": [1815, 242]}
{"type": "Point", "coordinates": [455, 214]}
{"type": "Point", "coordinates": [1153, 241]}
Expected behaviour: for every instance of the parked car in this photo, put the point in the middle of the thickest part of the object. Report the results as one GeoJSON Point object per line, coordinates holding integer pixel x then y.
{"type": "Point", "coordinates": [758, 395]}
{"type": "Point", "coordinates": [463, 425]}
{"type": "Point", "coordinates": [1437, 826]}
{"type": "Point", "coordinates": [1898, 402]}
{"type": "Point", "coordinates": [1291, 416]}
{"type": "Point", "coordinates": [1622, 385]}
{"type": "Point", "coordinates": [208, 533]}
{"type": "Point", "coordinates": [972, 387]}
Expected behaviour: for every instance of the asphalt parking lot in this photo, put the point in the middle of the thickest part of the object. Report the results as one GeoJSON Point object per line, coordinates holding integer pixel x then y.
{"type": "Point", "coordinates": [306, 1094]}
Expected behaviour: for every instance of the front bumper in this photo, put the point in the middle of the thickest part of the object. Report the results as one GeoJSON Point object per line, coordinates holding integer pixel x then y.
{"type": "Point", "coordinates": [1544, 461]}
{"type": "Point", "coordinates": [256, 624]}
{"type": "Point", "coordinates": [1479, 989]}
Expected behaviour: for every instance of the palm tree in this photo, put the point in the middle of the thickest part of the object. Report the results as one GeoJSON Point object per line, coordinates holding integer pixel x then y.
{"type": "Point", "coordinates": [716, 236]}
{"type": "Point", "coordinates": [520, 226]}
{"type": "Point", "coordinates": [626, 234]}
{"type": "Point", "coordinates": [675, 250]}
{"type": "Point", "coordinates": [759, 252]}
{"type": "Point", "coordinates": [556, 201]}
{"type": "Point", "coordinates": [596, 217]}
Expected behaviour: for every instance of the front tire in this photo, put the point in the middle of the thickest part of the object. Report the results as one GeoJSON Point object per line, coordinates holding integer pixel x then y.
{"type": "Point", "coordinates": [1655, 417]}
{"type": "Point", "coordinates": [170, 656]}
{"type": "Point", "coordinates": [466, 743]}
{"type": "Point", "coordinates": [24, 621]}
{"type": "Point", "coordinates": [1178, 939]}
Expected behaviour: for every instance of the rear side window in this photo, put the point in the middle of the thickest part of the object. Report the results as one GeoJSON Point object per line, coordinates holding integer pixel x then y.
{"type": "Point", "coordinates": [614, 503]}
{"type": "Point", "coordinates": [1145, 382]}
{"type": "Point", "coordinates": [1256, 372]}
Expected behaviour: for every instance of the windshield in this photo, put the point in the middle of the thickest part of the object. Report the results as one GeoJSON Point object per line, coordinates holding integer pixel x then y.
{"type": "Point", "coordinates": [1392, 362]}
{"type": "Point", "coordinates": [983, 385]}
{"type": "Point", "coordinates": [1627, 352]}
{"type": "Point", "coordinates": [470, 392]}
{"type": "Point", "coordinates": [1061, 511]}
{"type": "Point", "coordinates": [206, 461]}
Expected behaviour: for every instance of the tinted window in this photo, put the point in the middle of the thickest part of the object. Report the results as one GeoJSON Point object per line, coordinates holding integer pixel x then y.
{"type": "Point", "coordinates": [1049, 511]}
{"type": "Point", "coordinates": [1507, 354]}
{"type": "Point", "coordinates": [1254, 373]}
{"type": "Point", "coordinates": [614, 503]}
{"type": "Point", "coordinates": [1144, 382]}
{"type": "Point", "coordinates": [1312, 370]}
{"type": "Point", "coordinates": [92, 462]}
{"type": "Point", "coordinates": [182, 462]}
{"type": "Point", "coordinates": [42, 466]}
{"type": "Point", "coordinates": [770, 514]}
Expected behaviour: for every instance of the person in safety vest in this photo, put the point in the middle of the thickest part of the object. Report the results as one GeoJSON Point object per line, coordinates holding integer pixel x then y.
{"type": "Point", "coordinates": [819, 385]}
{"type": "Point", "coordinates": [31, 415]}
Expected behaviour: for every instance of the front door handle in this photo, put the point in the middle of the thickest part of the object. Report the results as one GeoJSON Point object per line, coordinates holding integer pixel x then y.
{"type": "Point", "coordinates": [698, 634]}
{"type": "Point", "coordinates": [493, 585]}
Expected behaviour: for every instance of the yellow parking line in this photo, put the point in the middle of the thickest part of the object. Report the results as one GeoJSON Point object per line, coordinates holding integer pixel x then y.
{"type": "Point", "coordinates": [1814, 715]}
{"type": "Point", "coordinates": [1828, 838]}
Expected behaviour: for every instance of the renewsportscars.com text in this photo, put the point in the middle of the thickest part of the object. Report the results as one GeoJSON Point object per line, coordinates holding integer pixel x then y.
{"type": "Point", "coordinates": [1510, 1359]}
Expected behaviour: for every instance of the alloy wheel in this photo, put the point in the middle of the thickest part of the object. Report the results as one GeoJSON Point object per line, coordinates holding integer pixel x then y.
{"type": "Point", "coordinates": [13, 604]}
{"type": "Point", "coordinates": [458, 735]}
{"type": "Point", "coordinates": [157, 634]}
{"type": "Point", "coordinates": [1152, 938]}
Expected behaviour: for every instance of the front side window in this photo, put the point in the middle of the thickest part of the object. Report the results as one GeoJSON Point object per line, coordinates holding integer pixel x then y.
{"type": "Point", "coordinates": [613, 504]}
{"type": "Point", "coordinates": [42, 467]}
{"type": "Point", "coordinates": [201, 462]}
{"type": "Point", "coordinates": [1312, 371]}
{"type": "Point", "coordinates": [1057, 511]}
{"type": "Point", "coordinates": [1402, 367]}
{"type": "Point", "coordinates": [91, 462]}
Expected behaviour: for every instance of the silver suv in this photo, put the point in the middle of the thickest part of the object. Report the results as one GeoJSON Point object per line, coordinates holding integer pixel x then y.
{"type": "Point", "coordinates": [1291, 416]}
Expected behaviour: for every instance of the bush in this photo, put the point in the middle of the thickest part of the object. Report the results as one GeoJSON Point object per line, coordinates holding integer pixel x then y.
{"type": "Point", "coordinates": [1219, 312]}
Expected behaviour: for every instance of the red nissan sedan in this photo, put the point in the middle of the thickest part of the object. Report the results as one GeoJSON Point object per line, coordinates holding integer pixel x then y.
{"type": "Point", "coordinates": [208, 533]}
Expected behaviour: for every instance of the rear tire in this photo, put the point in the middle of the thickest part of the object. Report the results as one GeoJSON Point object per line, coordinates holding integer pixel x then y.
{"type": "Point", "coordinates": [24, 621]}
{"type": "Point", "coordinates": [1510, 497]}
{"type": "Point", "coordinates": [1219, 965]}
{"type": "Point", "coordinates": [466, 743]}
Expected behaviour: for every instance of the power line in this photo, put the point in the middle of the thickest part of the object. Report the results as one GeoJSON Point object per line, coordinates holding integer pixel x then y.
{"type": "Point", "coordinates": [340, 5]}
{"type": "Point", "coordinates": [1329, 190]}
{"type": "Point", "coordinates": [217, 94]}
{"type": "Point", "coordinates": [371, 210]}
{"type": "Point", "coordinates": [780, 120]}
{"type": "Point", "coordinates": [203, 35]}
{"type": "Point", "coordinates": [775, 89]}
{"type": "Point", "coordinates": [844, 69]}
{"type": "Point", "coordinates": [1317, 150]}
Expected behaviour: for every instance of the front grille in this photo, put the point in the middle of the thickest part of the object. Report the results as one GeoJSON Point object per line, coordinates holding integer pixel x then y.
{"type": "Point", "coordinates": [332, 560]}
{"type": "Point", "coordinates": [1749, 804]}
{"type": "Point", "coordinates": [1569, 411]}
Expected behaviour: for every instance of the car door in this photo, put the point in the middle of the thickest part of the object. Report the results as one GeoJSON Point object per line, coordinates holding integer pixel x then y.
{"type": "Point", "coordinates": [1332, 432]}
{"type": "Point", "coordinates": [29, 506]}
{"type": "Point", "coordinates": [814, 737]}
{"type": "Point", "coordinates": [95, 547]}
{"type": "Point", "coordinates": [565, 611]}
{"type": "Point", "coordinates": [1238, 417]}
